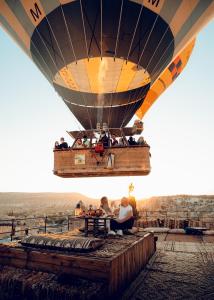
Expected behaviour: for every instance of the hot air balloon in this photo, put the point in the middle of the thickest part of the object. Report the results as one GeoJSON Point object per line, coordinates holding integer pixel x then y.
{"type": "Point", "coordinates": [108, 60]}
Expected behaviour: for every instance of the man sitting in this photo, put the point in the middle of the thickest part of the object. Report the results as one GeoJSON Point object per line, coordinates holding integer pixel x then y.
{"type": "Point", "coordinates": [125, 218]}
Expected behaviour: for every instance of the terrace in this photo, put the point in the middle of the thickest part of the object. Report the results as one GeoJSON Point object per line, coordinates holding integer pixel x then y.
{"type": "Point", "coordinates": [177, 266]}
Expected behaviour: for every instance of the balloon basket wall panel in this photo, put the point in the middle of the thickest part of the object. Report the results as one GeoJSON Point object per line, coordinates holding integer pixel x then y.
{"type": "Point", "coordinates": [134, 161]}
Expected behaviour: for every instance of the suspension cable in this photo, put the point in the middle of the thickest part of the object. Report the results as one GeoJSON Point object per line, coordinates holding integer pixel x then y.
{"type": "Point", "coordinates": [101, 29]}
{"type": "Point", "coordinates": [71, 44]}
{"type": "Point", "coordinates": [69, 36]}
{"type": "Point", "coordinates": [83, 23]}
{"type": "Point", "coordinates": [133, 36]}
{"type": "Point", "coordinates": [48, 51]}
{"type": "Point", "coordinates": [43, 61]}
{"type": "Point", "coordinates": [135, 30]}
{"type": "Point", "coordinates": [172, 41]}
{"type": "Point", "coordinates": [148, 39]}
{"type": "Point", "coordinates": [146, 68]}
{"type": "Point", "coordinates": [56, 42]}
{"type": "Point", "coordinates": [115, 53]}
{"type": "Point", "coordinates": [130, 47]}
{"type": "Point", "coordinates": [118, 30]}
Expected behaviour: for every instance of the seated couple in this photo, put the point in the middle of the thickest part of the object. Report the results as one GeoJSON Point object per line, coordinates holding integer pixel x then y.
{"type": "Point", "coordinates": [125, 217]}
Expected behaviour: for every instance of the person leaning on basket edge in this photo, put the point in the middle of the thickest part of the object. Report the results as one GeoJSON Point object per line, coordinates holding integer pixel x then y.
{"type": "Point", "coordinates": [125, 218]}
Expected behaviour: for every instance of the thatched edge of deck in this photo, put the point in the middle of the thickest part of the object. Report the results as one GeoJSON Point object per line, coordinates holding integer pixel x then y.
{"type": "Point", "coordinates": [117, 271]}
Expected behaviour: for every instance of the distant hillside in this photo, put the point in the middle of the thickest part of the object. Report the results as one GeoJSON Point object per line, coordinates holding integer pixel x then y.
{"type": "Point", "coordinates": [34, 204]}
{"type": "Point", "coordinates": [40, 203]}
{"type": "Point", "coordinates": [178, 202]}
{"type": "Point", "coordinates": [15, 198]}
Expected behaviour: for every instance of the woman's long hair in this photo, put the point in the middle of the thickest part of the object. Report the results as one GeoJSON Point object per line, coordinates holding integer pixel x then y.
{"type": "Point", "coordinates": [104, 204]}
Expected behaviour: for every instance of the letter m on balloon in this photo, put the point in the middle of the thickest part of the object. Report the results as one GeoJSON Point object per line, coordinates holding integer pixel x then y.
{"type": "Point", "coordinates": [36, 12]}
{"type": "Point", "coordinates": [154, 2]}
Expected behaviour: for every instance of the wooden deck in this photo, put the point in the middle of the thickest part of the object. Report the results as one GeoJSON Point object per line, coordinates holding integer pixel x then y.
{"type": "Point", "coordinates": [84, 162]}
{"type": "Point", "coordinates": [116, 263]}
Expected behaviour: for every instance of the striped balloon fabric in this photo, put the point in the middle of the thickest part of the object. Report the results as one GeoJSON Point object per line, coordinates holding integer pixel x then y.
{"type": "Point", "coordinates": [107, 59]}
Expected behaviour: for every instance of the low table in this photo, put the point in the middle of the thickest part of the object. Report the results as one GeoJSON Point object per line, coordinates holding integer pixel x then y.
{"type": "Point", "coordinates": [96, 223]}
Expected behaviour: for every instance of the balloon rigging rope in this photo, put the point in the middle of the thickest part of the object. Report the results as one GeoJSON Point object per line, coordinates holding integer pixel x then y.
{"type": "Point", "coordinates": [135, 30]}
{"type": "Point", "coordinates": [146, 68]}
{"type": "Point", "coordinates": [129, 108]}
{"type": "Point", "coordinates": [78, 124]}
{"type": "Point", "coordinates": [148, 39]}
{"type": "Point", "coordinates": [139, 92]}
{"type": "Point", "coordinates": [100, 110]}
{"type": "Point", "coordinates": [44, 43]}
{"type": "Point", "coordinates": [83, 24]}
{"type": "Point", "coordinates": [55, 62]}
{"type": "Point", "coordinates": [118, 30]}
{"type": "Point", "coordinates": [48, 76]}
{"type": "Point", "coordinates": [86, 45]}
{"type": "Point", "coordinates": [116, 46]}
{"type": "Point", "coordinates": [60, 51]}
{"type": "Point", "coordinates": [81, 93]}
{"type": "Point", "coordinates": [72, 47]}
{"type": "Point", "coordinates": [69, 36]}
{"type": "Point", "coordinates": [115, 53]}
{"type": "Point", "coordinates": [101, 29]}
{"type": "Point", "coordinates": [172, 41]}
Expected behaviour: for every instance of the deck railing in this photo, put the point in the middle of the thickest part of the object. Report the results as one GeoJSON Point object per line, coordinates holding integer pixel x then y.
{"type": "Point", "coordinates": [18, 227]}
{"type": "Point", "coordinates": [176, 219]}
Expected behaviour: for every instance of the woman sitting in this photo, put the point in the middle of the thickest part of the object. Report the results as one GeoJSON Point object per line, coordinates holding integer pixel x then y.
{"type": "Point", "coordinates": [78, 144]}
{"type": "Point", "coordinates": [121, 142]}
{"type": "Point", "coordinates": [141, 141]}
{"type": "Point", "coordinates": [125, 219]}
{"type": "Point", "coordinates": [105, 206]}
{"type": "Point", "coordinates": [56, 145]}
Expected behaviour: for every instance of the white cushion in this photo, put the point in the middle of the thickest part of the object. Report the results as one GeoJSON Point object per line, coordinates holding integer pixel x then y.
{"type": "Point", "coordinates": [209, 232]}
{"type": "Point", "coordinates": [177, 230]}
{"type": "Point", "coordinates": [156, 229]}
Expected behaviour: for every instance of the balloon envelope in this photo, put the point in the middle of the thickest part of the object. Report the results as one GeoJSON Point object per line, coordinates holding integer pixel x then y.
{"type": "Point", "coordinates": [107, 59]}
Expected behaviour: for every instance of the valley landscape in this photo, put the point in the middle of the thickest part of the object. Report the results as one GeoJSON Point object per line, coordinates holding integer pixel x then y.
{"type": "Point", "coordinates": [40, 204]}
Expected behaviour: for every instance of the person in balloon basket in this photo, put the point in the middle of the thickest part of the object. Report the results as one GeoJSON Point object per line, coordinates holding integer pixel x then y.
{"type": "Point", "coordinates": [125, 219]}
{"type": "Point", "coordinates": [132, 141]}
{"type": "Point", "coordinates": [63, 145]}
{"type": "Point", "coordinates": [114, 141]}
{"type": "Point", "coordinates": [86, 142]}
{"type": "Point", "coordinates": [104, 139]}
{"type": "Point", "coordinates": [78, 144]}
{"type": "Point", "coordinates": [56, 145]}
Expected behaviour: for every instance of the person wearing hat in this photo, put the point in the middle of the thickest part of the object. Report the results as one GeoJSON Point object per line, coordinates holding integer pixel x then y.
{"type": "Point", "coordinates": [86, 142]}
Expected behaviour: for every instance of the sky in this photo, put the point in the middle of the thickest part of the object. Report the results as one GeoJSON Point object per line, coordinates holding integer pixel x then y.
{"type": "Point", "coordinates": [179, 128]}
